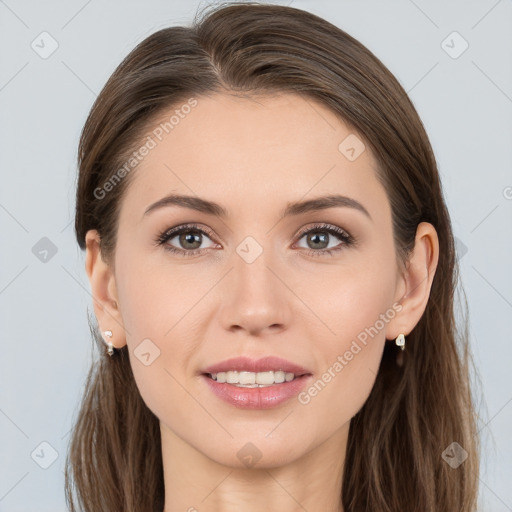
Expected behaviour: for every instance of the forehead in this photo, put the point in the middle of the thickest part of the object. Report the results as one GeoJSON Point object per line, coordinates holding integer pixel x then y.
{"type": "Point", "coordinates": [245, 152]}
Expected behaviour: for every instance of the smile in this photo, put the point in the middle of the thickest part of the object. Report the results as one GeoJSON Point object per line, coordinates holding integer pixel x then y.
{"type": "Point", "coordinates": [252, 379]}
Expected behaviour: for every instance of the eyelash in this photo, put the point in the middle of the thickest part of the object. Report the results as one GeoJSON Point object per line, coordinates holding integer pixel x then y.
{"type": "Point", "coordinates": [344, 236]}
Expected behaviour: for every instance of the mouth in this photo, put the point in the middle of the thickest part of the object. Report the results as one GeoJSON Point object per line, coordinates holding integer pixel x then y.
{"type": "Point", "coordinates": [256, 384]}
{"type": "Point", "coordinates": [246, 379]}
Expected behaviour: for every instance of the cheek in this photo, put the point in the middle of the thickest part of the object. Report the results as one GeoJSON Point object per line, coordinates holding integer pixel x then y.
{"type": "Point", "coordinates": [158, 306]}
{"type": "Point", "coordinates": [352, 300]}
{"type": "Point", "coordinates": [153, 297]}
{"type": "Point", "coordinates": [337, 394]}
{"type": "Point", "coordinates": [357, 314]}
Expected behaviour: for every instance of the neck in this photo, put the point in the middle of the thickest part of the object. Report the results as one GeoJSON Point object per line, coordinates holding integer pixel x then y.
{"type": "Point", "coordinates": [195, 482]}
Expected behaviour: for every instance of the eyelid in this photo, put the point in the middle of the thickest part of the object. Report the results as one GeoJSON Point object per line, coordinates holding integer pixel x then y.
{"type": "Point", "coordinates": [176, 230]}
{"type": "Point", "coordinates": [319, 226]}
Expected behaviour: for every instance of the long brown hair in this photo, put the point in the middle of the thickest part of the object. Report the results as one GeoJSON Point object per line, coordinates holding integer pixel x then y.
{"type": "Point", "coordinates": [415, 411]}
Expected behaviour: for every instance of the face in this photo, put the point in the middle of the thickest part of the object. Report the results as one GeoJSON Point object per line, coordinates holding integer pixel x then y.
{"type": "Point", "coordinates": [315, 287]}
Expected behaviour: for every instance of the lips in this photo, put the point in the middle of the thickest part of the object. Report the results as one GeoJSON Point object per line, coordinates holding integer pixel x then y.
{"type": "Point", "coordinates": [264, 364]}
{"type": "Point", "coordinates": [256, 396]}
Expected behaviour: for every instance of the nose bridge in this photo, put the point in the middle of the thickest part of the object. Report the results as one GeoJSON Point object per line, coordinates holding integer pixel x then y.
{"type": "Point", "coordinates": [251, 265]}
{"type": "Point", "coordinates": [255, 300]}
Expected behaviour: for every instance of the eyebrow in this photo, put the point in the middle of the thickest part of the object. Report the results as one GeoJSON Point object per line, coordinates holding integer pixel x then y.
{"type": "Point", "coordinates": [294, 208]}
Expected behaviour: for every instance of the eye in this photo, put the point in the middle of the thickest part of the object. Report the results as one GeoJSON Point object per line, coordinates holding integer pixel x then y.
{"type": "Point", "coordinates": [186, 240]}
{"type": "Point", "coordinates": [319, 240]}
{"type": "Point", "coordinates": [188, 237]}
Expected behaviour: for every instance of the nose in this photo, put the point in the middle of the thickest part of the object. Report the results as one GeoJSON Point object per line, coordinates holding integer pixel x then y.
{"type": "Point", "coordinates": [254, 298]}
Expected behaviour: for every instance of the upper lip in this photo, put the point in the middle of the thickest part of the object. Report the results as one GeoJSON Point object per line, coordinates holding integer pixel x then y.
{"type": "Point", "coordinates": [264, 364]}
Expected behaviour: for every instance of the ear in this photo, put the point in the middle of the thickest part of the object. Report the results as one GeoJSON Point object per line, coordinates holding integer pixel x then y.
{"type": "Point", "coordinates": [413, 288]}
{"type": "Point", "coordinates": [104, 291]}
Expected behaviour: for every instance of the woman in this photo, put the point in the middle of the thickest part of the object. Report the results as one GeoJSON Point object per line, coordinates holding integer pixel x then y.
{"type": "Point", "coordinates": [302, 353]}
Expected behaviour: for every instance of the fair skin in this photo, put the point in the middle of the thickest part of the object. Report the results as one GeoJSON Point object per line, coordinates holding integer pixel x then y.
{"type": "Point", "coordinates": [253, 156]}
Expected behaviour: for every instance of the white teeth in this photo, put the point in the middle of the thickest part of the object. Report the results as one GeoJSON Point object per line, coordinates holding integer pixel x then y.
{"type": "Point", "coordinates": [264, 378]}
{"type": "Point", "coordinates": [248, 378]}
{"type": "Point", "coordinates": [232, 377]}
{"type": "Point", "coordinates": [280, 377]}
{"type": "Point", "coordinates": [251, 379]}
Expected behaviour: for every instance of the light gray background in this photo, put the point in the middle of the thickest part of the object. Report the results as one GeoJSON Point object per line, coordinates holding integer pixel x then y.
{"type": "Point", "coordinates": [465, 104]}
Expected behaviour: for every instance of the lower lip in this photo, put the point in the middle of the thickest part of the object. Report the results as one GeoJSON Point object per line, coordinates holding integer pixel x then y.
{"type": "Point", "coordinates": [257, 398]}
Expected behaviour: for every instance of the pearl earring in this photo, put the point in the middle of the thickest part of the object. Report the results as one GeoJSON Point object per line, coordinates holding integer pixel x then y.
{"type": "Point", "coordinates": [110, 349]}
{"type": "Point", "coordinates": [400, 341]}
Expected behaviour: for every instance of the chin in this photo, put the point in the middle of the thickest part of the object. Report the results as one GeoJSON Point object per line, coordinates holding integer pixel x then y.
{"type": "Point", "coordinates": [256, 452]}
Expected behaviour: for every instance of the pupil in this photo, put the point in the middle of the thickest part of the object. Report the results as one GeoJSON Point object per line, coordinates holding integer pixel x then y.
{"type": "Point", "coordinates": [190, 238]}
{"type": "Point", "coordinates": [314, 239]}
